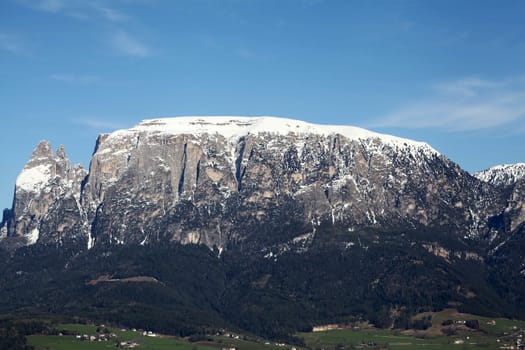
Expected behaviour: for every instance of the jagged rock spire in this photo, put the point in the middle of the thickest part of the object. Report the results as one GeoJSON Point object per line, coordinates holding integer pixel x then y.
{"type": "Point", "coordinates": [45, 183]}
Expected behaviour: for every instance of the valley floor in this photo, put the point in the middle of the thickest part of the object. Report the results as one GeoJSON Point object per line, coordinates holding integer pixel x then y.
{"type": "Point", "coordinates": [446, 331]}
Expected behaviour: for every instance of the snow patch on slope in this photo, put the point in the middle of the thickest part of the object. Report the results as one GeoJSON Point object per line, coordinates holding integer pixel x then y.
{"type": "Point", "coordinates": [502, 175]}
{"type": "Point", "coordinates": [32, 237]}
{"type": "Point", "coordinates": [34, 179]}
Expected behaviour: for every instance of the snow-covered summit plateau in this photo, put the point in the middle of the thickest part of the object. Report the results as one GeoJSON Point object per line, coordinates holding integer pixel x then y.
{"type": "Point", "coordinates": [234, 127]}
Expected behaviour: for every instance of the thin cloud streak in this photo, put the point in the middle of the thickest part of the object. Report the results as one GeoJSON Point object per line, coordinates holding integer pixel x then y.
{"type": "Point", "coordinates": [51, 5]}
{"type": "Point", "coordinates": [109, 13]}
{"type": "Point", "coordinates": [100, 124]}
{"type": "Point", "coordinates": [80, 9]}
{"type": "Point", "coordinates": [96, 11]}
{"type": "Point", "coordinates": [466, 104]}
{"type": "Point", "coordinates": [125, 44]}
{"type": "Point", "coordinates": [11, 44]}
{"type": "Point", "coordinates": [76, 79]}
{"type": "Point", "coordinates": [468, 87]}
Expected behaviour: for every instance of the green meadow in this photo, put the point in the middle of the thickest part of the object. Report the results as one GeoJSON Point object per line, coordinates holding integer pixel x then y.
{"type": "Point", "coordinates": [490, 331]}
{"type": "Point", "coordinates": [70, 342]}
{"type": "Point", "coordinates": [492, 334]}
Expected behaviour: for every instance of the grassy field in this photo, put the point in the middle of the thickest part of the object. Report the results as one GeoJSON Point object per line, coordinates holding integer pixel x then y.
{"type": "Point", "coordinates": [241, 344]}
{"type": "Point", "coordinates": [369, 338]}
{"type": "Point", "coordinates": [491, 330]}
{"type": "Point", "coordinates": [69, 342]}
{"type": "Point", "coordinates": [64, 342]}
{"type": "Point", "coordinates": [388, 340]}
{"type": "Point", "coordinates": [492, 326]}
{"type": "Point", "coordinates": [486, 338]}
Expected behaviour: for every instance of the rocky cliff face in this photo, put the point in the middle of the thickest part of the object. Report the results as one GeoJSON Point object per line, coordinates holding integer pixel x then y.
{"type": "Point", "coordinates": [249, 181]}
{"type": "Point", "coordinates": [510, 179]}
{"type": "Point", "coordinates": [46, 206]}
{"type": "Point", "coordinates": [503, 175]}
{"type": "Point", "coordinates": [516, 205]}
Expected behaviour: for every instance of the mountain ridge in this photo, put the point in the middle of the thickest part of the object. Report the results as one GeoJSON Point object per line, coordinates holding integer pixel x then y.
{"type": "Point", "coordinates": [502, 175]}
{"type": "Point", "coordinates": [239, 228]}
{"type": "Point", "coordinates": [199, 157]}
{"type": "Point", "coordinates": [238, 159]}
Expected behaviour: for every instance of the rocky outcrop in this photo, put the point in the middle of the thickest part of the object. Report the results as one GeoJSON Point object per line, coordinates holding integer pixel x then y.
{"type": "Point", "coordinates": [515, 209]}
{"type": "Point", "coordinates": [510, 179]}
{"type": "Point", "coordinates": [46, 206]}
{"type": "Point", "coordinates": [503, 175]}
{"type": "Point", "coordinates": [247, 181]}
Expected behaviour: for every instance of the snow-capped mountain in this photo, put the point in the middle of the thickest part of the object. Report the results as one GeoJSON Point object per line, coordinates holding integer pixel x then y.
{"type": "Point", "coordinates": [254, 181]}
{"type": "Point", "coordinates": [325, 222]}
{"type": "Point", "coordinates": [503, 175]}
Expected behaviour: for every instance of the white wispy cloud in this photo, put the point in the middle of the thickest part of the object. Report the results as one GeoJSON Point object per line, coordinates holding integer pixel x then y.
{"type": "Point", "coordinates": [96, 11]}
{"type": "Point", "coordinates": [51, 5]}
{"type": "Point", "coordinates": [125, 44]}
{"type": "Point", "coordinates": [466, 104]}
{"type": "Point", "coordinates": [76, 79]}
{"type": "Point", "coordinates": [467, 87]}
{"type": "Point", "coordinates": [108, 13]}
{"type": "Point", "coordinates": [80, 9]}
{"type": "Point", "coordinates": [100, 124]}
{"type": "Point", "coordinates": [11, 43]}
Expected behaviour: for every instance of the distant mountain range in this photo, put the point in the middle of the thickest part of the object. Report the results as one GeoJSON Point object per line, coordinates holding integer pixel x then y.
{"type": "Point", "coordinates": [273, 224]}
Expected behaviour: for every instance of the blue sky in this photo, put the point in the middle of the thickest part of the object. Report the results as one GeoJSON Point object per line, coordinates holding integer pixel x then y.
{"type": "Point", "coordinates": [451, 73]}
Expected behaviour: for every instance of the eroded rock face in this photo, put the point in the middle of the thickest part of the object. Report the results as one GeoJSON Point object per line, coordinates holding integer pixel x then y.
{"type": "Point", "coordinates": [247, 181]}
{"type": "Point", "coordinates": [47, 193]}
{"type": "Point", "coordinates": [515, 209]}
{"type": "Point", "coordinates": [503, 175]}
{"type": "Point", "coordinates": [510, 180]}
